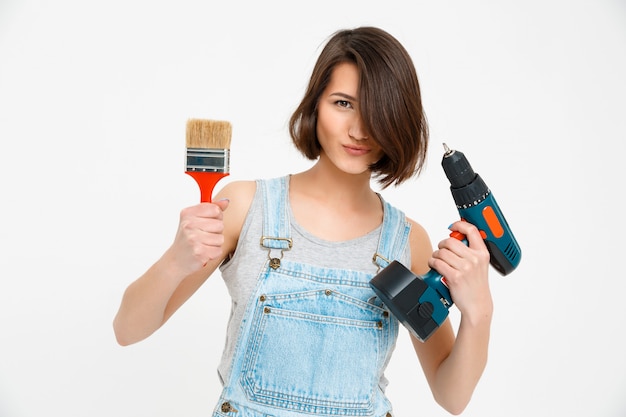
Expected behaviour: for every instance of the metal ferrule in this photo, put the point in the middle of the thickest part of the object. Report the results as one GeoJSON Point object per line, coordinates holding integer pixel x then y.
{"type": "Point", "coordinates": [208, 160]}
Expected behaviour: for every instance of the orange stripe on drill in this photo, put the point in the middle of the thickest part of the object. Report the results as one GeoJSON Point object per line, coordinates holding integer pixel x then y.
{"type": "Point", "coordinates": [493, 222]}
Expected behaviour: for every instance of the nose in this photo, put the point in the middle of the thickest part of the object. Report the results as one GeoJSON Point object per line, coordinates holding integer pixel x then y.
{"type": "Point", "coordinates": [357, 130]}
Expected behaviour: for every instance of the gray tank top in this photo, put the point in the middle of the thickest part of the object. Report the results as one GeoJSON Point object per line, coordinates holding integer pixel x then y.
{"type": "Point", "coordinates": [241, 271]}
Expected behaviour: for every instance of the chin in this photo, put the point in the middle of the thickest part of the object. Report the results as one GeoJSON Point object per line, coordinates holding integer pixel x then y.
{"type": "Point", "coordinates": [357, 171]}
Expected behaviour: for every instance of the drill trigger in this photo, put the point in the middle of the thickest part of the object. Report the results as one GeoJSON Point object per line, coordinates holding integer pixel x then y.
{"type": "Point", "coordinates": [457, 235]}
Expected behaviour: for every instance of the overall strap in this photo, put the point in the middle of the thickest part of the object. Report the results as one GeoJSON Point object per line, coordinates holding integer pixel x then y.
{"type": "Point", "coordinates": [276, 224]}
{"type": "Point", "coordinates": [393, 237]}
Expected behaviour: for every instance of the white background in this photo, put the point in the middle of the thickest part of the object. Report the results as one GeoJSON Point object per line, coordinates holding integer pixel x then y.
{"type": "Point", "coordinates": [94, 97]}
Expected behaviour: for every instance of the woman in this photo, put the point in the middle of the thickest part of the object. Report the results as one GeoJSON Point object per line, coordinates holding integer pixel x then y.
{"type": "Point", "coordinates": [307, 334]}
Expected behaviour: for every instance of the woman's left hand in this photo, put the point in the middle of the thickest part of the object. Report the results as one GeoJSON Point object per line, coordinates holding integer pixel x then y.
{"type": "Point", "coordinates": [466, 270]}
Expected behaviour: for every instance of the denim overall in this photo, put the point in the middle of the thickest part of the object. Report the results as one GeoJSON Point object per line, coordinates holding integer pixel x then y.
{"type": "Point", "coordinates": [313, 340]}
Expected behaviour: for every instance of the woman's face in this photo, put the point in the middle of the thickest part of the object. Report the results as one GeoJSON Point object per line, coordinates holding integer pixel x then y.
{"type": "Point", "coordinates": [339, 129]}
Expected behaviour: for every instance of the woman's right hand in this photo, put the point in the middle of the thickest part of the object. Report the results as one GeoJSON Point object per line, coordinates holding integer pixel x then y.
{"type": "Point", "coordinates": [199, 238]}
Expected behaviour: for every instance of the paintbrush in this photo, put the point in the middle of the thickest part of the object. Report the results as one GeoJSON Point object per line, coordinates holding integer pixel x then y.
{"type": "Point", "coordinates": [208, 153]}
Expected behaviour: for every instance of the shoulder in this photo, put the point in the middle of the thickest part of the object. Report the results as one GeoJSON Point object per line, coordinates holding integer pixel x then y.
{"type": "Point", "coordinates": [421, 247]}
{"type": "Point", "coordinates": [235, 190]}
{"type": "Point", "coordinates": [240, 195]}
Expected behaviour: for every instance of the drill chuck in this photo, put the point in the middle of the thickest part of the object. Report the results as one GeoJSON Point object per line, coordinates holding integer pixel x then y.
{"type": "Point", "coordinates": [468, 188]}
{"type": "Point", "coordinates": [457, 168]}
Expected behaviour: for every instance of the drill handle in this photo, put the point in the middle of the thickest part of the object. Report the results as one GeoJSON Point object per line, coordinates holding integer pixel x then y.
{"type": "Point", "coordinates": [438, 282]}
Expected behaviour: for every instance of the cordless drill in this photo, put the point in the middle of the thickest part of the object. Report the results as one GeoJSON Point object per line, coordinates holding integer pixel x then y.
{"type": "Point", "coordinates": [421, 303]}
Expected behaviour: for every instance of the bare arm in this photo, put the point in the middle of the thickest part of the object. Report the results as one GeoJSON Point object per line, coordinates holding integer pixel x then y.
{"type": "Point", "coordinates": [453, 366]}
{"type": "Point", "coordinates": [206, 234]}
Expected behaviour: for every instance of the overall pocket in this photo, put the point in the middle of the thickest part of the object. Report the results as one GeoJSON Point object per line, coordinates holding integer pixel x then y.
{"type": "Point", "coordinates": [316, 351]}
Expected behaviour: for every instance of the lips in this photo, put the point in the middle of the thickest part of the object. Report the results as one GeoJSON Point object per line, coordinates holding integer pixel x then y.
{"type": "Point", "coordinates": [356, 150]}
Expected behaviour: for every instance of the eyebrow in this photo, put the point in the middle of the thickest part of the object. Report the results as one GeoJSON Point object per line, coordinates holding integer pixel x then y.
{"type": "Point", "coordinates": [344, 95]}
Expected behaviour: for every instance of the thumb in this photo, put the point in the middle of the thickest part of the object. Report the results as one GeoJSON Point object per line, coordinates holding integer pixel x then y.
{"type": "Point", "coordinates": [222, 204]}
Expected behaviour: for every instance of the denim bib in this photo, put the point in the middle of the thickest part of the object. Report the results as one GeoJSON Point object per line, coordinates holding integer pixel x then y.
{"type": "Point", "coordinates": [313, 340]}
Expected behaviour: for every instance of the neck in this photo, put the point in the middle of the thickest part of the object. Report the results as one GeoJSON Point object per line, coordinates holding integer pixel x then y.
{"type": "Point", "coordinates": [323, 181]}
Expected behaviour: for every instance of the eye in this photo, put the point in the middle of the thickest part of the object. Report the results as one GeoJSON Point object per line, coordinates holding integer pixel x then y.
{"type": "Point", "coordinates": [344, 103]}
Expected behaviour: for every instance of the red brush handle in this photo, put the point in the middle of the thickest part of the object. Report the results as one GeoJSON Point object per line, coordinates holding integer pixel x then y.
{"type": "Point", "coordinates": [206, 181]}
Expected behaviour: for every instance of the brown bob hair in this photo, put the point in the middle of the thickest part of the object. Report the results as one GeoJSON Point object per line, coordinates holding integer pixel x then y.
{"type": "Point", "coordinates": [389, 99]}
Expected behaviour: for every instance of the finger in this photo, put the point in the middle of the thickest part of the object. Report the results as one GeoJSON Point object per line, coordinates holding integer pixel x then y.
{"type": "Point", "coordinates": [210, 226]}
{"type": "Point", "coordinates": [454, 246]}
{"type": "Point", "coordinates": [223, 203]}
{"type": "Point", "coordinates": [471, 232]}
{"type": "Point", "coordinates": [204, 210]}
{"type": "Point", "coordinates": [448, 257]}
